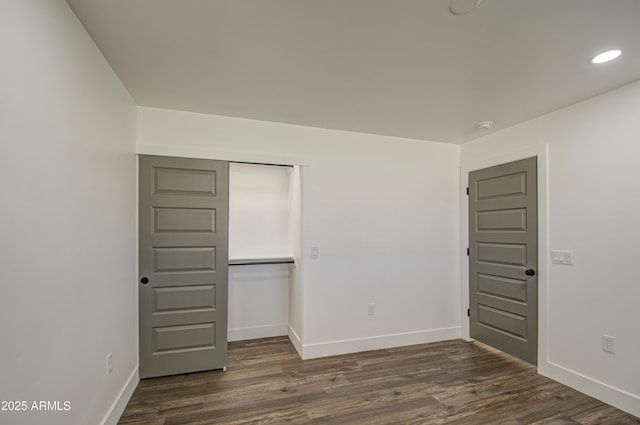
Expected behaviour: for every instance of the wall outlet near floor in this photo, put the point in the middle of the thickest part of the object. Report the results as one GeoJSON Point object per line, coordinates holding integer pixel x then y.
{"type": "Point", "coordinates": [109, 363]}
{"type": "Point", "coordinates": [609, 344]}
{"type": "Point", "coordinates": [371, 309]}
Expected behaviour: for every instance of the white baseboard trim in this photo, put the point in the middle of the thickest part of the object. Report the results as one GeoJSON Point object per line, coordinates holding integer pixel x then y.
{"type": "Point", "coordinates": [295, 340]}
{"type": "Point", "coordinates": [117, 407]}
{"type": "Point", "coordinates": [255, 332]}
{"type": "Point", "coordinates": [616, 397]}
{"type": "Point", "coordinates": [334, 348]}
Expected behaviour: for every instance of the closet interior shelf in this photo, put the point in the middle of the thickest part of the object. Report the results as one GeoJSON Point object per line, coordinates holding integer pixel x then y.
{"type": "Point", "coordinates": [259, 261]}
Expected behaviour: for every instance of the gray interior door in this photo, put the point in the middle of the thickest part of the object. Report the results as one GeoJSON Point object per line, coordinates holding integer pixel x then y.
{"type": "Point", "coordinates": [183, 265]}
{"type": "Point", "coordinates": [503, 257]}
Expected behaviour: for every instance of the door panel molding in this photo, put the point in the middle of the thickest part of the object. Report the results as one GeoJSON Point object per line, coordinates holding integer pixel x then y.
{"type": "Point", "coordinates": [498, 318]}
{"type": "Point", "coordinates": [183, 265]}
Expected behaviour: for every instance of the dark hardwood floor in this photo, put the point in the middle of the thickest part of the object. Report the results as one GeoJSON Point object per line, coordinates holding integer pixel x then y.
{"type": "Point", "coordinates": [452, 382]}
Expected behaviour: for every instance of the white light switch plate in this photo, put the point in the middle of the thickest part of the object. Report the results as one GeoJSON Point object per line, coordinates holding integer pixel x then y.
{"type": "Point", "coordinates": [561, 257]}
{"type": "Point", "coordinates": [315, 252]}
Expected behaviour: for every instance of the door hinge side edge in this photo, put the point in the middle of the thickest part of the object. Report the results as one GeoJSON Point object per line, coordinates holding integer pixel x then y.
{"type": "Point", "coordinates": [467, 190]}
{"type": "Point", "coordinates": [468, 312]}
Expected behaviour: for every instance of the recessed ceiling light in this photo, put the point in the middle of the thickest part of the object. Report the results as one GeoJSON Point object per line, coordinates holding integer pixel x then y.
{"type": "Point", "coordinates": [462, 7]}
{"type": "Point", "coordinates": [607, 56]}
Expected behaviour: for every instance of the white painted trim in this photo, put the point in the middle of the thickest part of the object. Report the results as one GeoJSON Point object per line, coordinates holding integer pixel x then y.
{"type": "Point", "coordinates": [117, 407]}
{"type": "Point", "coordinates": [335, 348]}
{"type": "Point", "coordinates": [205, 153]}
{"type": "Point", "coordinates": [255, 332]}
{"type": "Point", "coordinates": [542, 153]}
{"type": "Point", "coordinates": [616, 397]}
{"type": "Point", "coordinates": [295, 340]}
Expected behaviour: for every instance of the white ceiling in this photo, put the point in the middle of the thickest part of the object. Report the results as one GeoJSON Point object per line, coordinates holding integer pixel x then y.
{"type": "Point", "coordinates": [406, 68]}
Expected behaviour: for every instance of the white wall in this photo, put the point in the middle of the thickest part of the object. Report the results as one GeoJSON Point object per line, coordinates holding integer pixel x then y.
{"type": "Point", "coordinates": [259, 211]}
{"type": "Point", "coordinates": [295, 278]}
{"type": "Point", "coordinates": [67, 220]}
{"type": "Point", "coordinates": [383, 211]}
{"type": "Point", "coordinates": [258, 301]}
{"type": "Point", "coordinates": [591, 207]}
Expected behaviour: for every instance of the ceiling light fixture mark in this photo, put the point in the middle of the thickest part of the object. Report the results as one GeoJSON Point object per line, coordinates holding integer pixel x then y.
{"type": "Point", "coordinates": [485, 125]}
{"type": "Point", "coordinates": [462, 7]}
{"type": "Point", "coordinates": [607, 56]}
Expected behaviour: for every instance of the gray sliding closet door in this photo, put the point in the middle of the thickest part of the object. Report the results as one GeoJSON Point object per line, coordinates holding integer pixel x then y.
{"type": "Point", "coordinates": [183, 240]}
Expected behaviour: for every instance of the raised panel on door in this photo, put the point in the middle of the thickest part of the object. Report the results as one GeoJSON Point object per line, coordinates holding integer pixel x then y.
{"type": "Point", "coordinates": [503, 246]}
{"type": "Point", "coordinates": [183, 256]}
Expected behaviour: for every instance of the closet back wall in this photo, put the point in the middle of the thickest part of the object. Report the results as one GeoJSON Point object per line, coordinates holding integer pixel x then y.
{"type": "Point", "coordinates": [259, 228]}
{"type": "Point", "coordinates": [259, 211]}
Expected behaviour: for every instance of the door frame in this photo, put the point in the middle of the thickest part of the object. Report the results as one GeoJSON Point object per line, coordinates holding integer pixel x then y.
{"type": "Point", "coordinates": [541, 152]}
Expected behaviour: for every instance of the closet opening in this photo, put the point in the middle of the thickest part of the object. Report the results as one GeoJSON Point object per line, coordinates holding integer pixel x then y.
{"type": "Point", "coordinates": [264, 250]}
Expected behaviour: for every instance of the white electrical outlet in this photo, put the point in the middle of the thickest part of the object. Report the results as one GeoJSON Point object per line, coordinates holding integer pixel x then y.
{"type": "Point", "coordinates": [609, 344]}
{"type": "Point", "coordinates": [371, 309]}
{"type": "Point", "coordinates": [109, 363]}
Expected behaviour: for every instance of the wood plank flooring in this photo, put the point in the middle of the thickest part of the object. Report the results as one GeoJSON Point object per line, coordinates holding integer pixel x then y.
{"type": "Point", "coordinates": [452, 382]}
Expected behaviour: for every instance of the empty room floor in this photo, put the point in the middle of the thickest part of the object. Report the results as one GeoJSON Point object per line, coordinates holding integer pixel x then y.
{"type": "Point", "coordinates": [451, 382]}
